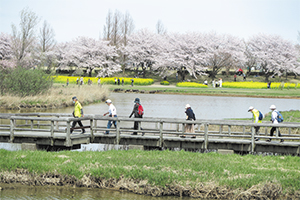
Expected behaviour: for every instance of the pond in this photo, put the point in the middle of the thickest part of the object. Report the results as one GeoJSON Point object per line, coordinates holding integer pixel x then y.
{"type": "Point", "coordinates": [173, 106]}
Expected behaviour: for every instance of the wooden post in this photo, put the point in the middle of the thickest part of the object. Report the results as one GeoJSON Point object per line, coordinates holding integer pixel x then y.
{"type": "Point", "coordinates": [244, 130]}
{"type": "Point", "coordinates": [118, 132]}
{"type": "Point", "coordinates": [183, 129]}
{"type": "Point", "coordinates": [161, 134]}
{"type": "Point", "coordinates": [95, 125]}
{"type": "Point", "coordinates": [252, 139]}
{"type": "Point", "coordinates": [229, 130]}
{"type": "Point", "coordinates": [205, 136]}
{"type": "Point", "coordinates": [57, 124]}
{"type": "Point", "coordinates": [221, 129]}
{"type": "Point", "coordinates": [277, 132]}
{"type": "Point", "coordinates": [52, 132]}
{"type": "Point", "coordinates": [68, 137]}
{"type": "Point", "coordinates": [92, 130]}
{"type": "Point", "coordinates": [12, 129]}
{"type": "Point", "coordinates": [31, 124]}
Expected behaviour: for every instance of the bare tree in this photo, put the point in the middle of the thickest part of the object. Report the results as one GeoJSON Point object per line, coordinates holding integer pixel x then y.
{"type": "Point", "coordinates": [23, 39]}
{"type": "Point", "coordinates": [160, 29]}
{"type": "Point", "coordinates": [116, 28]}
{"type": "Point", "coordinates": [127, 27]}
{"type": "Point", "coordinates": [107, 29]}
{"type": "Point", "coordinates": [46, 38]}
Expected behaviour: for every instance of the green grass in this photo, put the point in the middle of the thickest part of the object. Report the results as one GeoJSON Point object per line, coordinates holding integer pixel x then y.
{"type": "Point", "coordinates": [288, 116]}
{"type": "Point", "coordinates": [295, 93]}
{"type": "Point", "coordinates": [162, 167]}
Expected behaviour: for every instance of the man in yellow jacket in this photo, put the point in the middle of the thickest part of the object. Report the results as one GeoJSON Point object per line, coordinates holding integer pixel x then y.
{"type": "Point", "coordinates": [78, 112]}
{"type": "Point", "coordinates": [256, 119]}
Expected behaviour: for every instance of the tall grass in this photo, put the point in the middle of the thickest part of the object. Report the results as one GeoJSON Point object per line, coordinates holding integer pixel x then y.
{"type": "Point", "coordinates": [162, 167]}
{"type": "Point", "coordinates": [59, 95]}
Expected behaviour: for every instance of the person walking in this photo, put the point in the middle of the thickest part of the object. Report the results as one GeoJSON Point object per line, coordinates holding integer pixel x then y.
{"type": "Point", "coordinates": [256, 119]}
{"type": "Point", "coordinates": [122, 81]}
{"type": "Point", "coordinates": [138, 112]}
{"type": "Point", "coordinates": [112, 112]}
{"type": "Point", "coordinates": [190, 115]}
{"type": "Point", "coordinates": [274, 119]}
{"type": "Point", "coordinates": [78, 112]}
{"type": "Point", "coordinates": [67, 81]}
{"type": "Point", "coordinates": [99, 82]}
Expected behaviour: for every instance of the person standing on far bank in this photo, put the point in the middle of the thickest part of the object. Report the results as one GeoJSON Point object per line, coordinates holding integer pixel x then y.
{"type": "Point", "coordinates": [78, 112]}
{"type": "Point", "coordinates": [274, 116]}
{"type": "Point", "coordinates": [112, 112]}
{"type": "Point", "coordinates": [138, 112]}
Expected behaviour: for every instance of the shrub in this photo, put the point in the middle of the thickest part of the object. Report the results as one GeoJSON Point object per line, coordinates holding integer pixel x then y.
{"type": "Point", "coordinates": [191, 84]}
{"type": "Point", "coordinates": [26, 82]}
{"type": "Point", "coordinates": [164, 83]}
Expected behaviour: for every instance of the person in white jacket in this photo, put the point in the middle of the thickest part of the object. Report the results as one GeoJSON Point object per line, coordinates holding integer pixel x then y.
{"type": "Point", "coordinates": [274, 120]}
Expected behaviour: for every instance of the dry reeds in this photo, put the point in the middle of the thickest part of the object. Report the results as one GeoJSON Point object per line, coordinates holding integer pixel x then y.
{"type": "Point", "coordinates": [58, 96]}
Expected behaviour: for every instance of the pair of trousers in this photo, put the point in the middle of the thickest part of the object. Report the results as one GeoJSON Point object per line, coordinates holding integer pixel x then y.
{"type": "Point", "coordinates": [110, 123]}
{"type": "Point", "coordinates": [273, 129]}
{"type": "Point", "coordinates": [79, 123]}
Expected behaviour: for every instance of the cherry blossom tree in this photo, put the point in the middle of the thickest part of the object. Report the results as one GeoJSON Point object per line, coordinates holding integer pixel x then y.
{"type": "Point", "coordinates": [274, 54]}
{"type": "Point", "coordinates": [142, 49]}
{"type": "Point", "coordinates": [222, 51]}
{"type": "Point", "coordinates": [183, 53]}
{"type": "Point", "coordinates": [88, 53]}
{"type": "Point", "coordinates": [6, 60]}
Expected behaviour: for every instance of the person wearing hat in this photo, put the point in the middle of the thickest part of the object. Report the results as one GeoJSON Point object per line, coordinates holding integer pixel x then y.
{"type": "Point", "coordinates": [274, 116]}
{"type": "Point", "coordinates": [112, 112]}
{"type": "Point", "coordinates": [136, 114]}
{"type": "Point", "coordinates": [78, 112]}
{"type": "Point", "coordinates": [255, 113]}
{"type": "Point", "coordinates": [190, 115]}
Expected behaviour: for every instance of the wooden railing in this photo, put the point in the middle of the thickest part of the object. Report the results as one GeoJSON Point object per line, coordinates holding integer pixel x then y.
{"type": "Point", "coordinates": [206, 130]}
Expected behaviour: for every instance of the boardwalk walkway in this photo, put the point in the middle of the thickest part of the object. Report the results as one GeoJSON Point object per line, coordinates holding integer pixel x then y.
{"type": "Point", "coordinates": [52, 132]}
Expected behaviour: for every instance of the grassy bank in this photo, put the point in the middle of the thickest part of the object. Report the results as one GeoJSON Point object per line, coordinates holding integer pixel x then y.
{"type": "Point", "coordinates": [165, 169]}
{"type": "Point", "coordinates": [58, 96]}
{"type": "Point", "coordinates": [264, 93]}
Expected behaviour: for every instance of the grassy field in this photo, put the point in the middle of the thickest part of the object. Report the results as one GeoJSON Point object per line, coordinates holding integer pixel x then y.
{"type": "Point", "coordinates": [273, 93]}
{"type": "Point", "coordinates": [162, 168]}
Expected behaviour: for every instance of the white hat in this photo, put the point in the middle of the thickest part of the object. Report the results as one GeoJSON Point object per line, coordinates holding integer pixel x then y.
{"type": "Point", "coordinates": [108, 101]}
{"type": "Point", "coordinates": [187, 106]}
{"type": "Point", "coordinates": [250, 108]}
{"type": "Point", "coordinates": [272, 107]}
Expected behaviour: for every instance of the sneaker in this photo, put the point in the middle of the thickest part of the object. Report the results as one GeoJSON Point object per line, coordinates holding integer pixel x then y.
{"type": "Point", "coordinates": [143, 134]}
{"type": "Point", "coordinates": [281, 141]}
{"type": "Point", "coordinates": [133, 133]}
{"type": "Point", "coordinates": [182, 136]}
{"type": "Point", "coordinates": [194, 136]}
{"type": "Point", "coordinates": [268, 140]}
{"type": "Point", "coordinates": [256, 139]}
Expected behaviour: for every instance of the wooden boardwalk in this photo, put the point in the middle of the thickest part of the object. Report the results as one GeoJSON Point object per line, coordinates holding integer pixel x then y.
{"type": "Point", "coordinates": [52, 132]}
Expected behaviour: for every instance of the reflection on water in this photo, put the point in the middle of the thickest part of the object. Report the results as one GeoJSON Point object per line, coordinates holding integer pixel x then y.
{"type": "Point", "coordinates": [17, 191]}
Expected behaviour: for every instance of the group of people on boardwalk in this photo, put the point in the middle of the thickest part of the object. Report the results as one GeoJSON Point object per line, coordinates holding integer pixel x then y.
{"type": "Point", "coordinates": [276, 118]}
{"type": "Point", "coordinates": [138, 112]}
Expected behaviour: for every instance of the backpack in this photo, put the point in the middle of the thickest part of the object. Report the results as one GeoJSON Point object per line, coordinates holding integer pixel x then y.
{"type": "Point", "coordinates": [261, 116]}
{"type": "Point", "coordinates": [141, 110]}
{"type": "Point", "coordinates": [279, 117]}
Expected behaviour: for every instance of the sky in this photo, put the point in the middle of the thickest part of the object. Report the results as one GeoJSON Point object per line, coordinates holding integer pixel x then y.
{"type": "Point", "coordinates": [243, 18]}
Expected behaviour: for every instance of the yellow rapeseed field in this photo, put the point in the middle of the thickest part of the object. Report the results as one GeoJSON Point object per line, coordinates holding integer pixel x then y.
{"type": "Point", "coordinates": [127, 81]}
{"type": "Point", "coordinates": [259, 85]}
{"type": "Point", "coordinates": [191, 84]}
